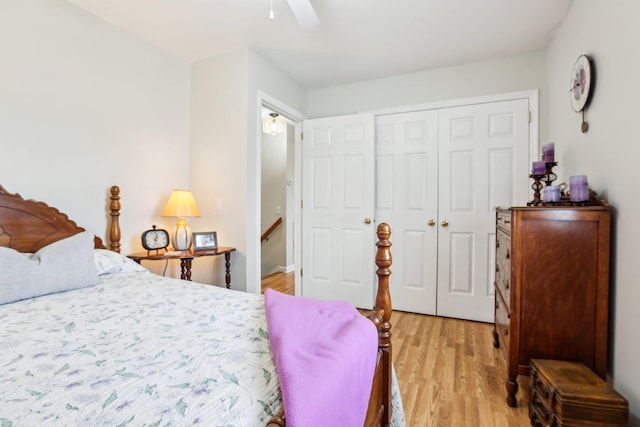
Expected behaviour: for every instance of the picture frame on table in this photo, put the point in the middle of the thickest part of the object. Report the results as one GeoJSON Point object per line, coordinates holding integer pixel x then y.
{"type": "Point", "coordinates": [207, 240]}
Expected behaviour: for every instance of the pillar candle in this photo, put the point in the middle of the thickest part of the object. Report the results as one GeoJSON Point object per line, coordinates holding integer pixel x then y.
{"type": "Point", "coordinates": [578, 188]}
{"type": "Point", "coordinates": [551, 193]}
{"type": "Point", "coordinates": [548, 152]}
{"type": "Point", "coordinates": [539, 168]}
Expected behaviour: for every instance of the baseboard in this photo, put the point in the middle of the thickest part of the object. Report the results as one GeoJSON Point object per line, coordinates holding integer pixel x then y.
{"type": "Point", "coordinates": [287, 269]}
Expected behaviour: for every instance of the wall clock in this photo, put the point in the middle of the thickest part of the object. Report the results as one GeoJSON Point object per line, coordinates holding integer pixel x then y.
{"type": "Point", "coordinates": [155, 239]}
{"type": "Point", "coordinates": [580, 88]}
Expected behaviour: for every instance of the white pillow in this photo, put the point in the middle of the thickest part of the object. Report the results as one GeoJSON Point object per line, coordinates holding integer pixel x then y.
{"type": "Point", "coordinates": [61, 266]}
{"type": "Point", "coordinates": [109, 262]}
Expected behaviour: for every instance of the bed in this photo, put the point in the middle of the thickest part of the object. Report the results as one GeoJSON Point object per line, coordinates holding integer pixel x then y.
{"type": "Point", "coordinates": [89, 337]}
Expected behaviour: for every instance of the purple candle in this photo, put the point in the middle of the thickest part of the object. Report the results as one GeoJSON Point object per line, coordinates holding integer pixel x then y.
{"type": "Point", "coordinates": [548, 152]}
{"type": "Point", "coordinates": [539, 168]}
{"type": "Point", "coordinates": [551, 193]}
{"type": "Point", "coordinates": [578, 188]}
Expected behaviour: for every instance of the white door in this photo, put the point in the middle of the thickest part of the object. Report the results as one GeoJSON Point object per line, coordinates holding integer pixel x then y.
{"type": "Point", "coordinates": [338, 231]}
{"type": "Point", "coordinates": [484, 163]}
{"type": "Point", "coordinates": [407, 199]}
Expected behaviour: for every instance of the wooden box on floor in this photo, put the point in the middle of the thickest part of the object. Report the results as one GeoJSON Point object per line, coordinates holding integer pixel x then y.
{"type": "Point", "coordinates": [570, 394]}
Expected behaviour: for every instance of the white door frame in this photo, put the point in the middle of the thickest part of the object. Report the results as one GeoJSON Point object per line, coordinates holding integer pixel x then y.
{"type": "Point", "coordinates": [253, 233]}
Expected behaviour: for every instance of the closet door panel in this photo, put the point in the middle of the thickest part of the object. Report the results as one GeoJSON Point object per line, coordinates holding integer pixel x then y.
{"type": "Point", "coordinates": [483, 159]}
{"type": "Point", "coordinates": [407, 198]}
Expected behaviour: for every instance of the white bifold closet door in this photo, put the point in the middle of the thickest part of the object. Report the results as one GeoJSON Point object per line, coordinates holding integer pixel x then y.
{"type": "Point", "coordinates": [484, 164]}
{"type": "Point", "coordinates": [440, 175]}
{"type": "Point", "coordinates": [436, 177]}
{"type": "Point", "coordinates": [407, 199]}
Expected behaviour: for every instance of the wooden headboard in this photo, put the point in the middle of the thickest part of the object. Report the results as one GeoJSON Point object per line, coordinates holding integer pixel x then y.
{"type": "Point", "coordinates": [29, 225]}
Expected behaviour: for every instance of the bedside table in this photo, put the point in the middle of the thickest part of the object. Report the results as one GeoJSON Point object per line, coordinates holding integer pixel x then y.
{"type": "Point", "coordinates": [186, 257]}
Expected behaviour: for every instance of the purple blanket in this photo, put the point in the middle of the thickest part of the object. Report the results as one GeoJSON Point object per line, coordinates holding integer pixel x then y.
{"type": "Point", "coordinates": [325, 355]}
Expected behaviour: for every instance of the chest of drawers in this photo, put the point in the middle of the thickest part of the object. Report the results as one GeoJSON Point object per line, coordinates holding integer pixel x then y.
{"type": "Point", "coordinates": [551, 287]}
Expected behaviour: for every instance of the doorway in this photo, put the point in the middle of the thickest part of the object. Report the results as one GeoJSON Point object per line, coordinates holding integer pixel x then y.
{"type": "Point", "coordinates": [288, 211]}
{"type": "Point", "coordinates": [277, 183]}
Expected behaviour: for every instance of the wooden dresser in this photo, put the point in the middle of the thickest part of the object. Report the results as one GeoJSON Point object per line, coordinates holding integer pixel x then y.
{"type": "Point", "coordinates": [551, 287]}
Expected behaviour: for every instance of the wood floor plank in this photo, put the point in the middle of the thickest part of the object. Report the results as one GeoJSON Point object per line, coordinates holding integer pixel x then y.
{"type": "Point", "coordinates": [449, 373]}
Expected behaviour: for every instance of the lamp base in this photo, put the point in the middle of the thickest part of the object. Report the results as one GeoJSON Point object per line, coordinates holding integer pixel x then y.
{"type": "Point", "coordinates": [182, 235]}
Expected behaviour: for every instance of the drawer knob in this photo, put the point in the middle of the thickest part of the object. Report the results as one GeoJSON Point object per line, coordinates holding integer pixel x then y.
{"type": "Point", "coordinates": [431, 222]}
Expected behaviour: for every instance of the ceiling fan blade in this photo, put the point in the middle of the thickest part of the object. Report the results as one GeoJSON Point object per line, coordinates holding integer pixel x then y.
{"type": "Point", "coordinates": [304, 13]}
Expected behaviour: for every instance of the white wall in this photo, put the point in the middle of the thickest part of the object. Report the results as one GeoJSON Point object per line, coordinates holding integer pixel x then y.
{"type": "Point", "coordinates": [226, 156]}
{"type": "Point", "coordinates": [608, 154]}
{"type": "Point", "coordinates": [83, 106]}
{"type": "Point", "coordinates": [511, 74]}
{"type": "Point", "coordinates": [218, 172]}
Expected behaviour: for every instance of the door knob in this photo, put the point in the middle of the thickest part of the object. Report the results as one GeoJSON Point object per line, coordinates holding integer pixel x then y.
{"type": "Point", "coordinates": [444, 223]}
{"type": "Point", "coordinates": [367, 220]}
{"type": "Point", "coordinates": [431, 222]}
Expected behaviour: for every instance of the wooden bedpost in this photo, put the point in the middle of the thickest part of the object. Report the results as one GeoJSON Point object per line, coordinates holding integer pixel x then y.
{"type": "Point", "coordinates": [114, 227]}
{"type": "Point", "coordinates": [383, 261]}
{"type": "Point", "coordinates": [381, 315]}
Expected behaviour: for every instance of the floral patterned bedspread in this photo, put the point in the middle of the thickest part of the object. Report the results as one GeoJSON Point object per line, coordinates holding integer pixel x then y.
{"type": "Point", "coordinates": [139, 349]}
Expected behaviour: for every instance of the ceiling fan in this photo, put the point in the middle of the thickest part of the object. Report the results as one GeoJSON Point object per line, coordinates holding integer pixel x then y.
{"type": "Point", "coordinates": [303, 11]}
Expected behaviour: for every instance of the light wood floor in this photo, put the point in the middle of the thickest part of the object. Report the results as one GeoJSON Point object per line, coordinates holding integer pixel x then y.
{"type": "Point", "coordinates": [448, 371]}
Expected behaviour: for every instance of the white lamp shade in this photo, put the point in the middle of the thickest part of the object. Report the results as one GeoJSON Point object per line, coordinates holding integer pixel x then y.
{"type": "Point", "coordinates": [272, 125]}
{"type": "Point", "coordinates": [181, 203]}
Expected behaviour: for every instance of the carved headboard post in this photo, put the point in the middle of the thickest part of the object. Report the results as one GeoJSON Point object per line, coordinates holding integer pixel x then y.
{"type": "Point", "coordinates": [114, 227]}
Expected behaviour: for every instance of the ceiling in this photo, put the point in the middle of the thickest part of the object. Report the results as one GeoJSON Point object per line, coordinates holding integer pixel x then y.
{"type": "Point", "coordinates": [356, 39]}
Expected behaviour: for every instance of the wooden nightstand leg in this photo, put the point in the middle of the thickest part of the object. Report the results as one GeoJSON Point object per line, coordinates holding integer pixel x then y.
{"type": "Point", "coordinates": [227, 266]}
{"type": "Point", "coordinates": [185, 269]}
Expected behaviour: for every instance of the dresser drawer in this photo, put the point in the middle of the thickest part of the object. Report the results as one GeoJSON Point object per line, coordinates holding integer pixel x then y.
{"type": "Point", "coordinates": [502, 321]}
{"type": "Point", "coordinates": [539, 414]}
{"type": "Point", "coordinates": [503, 266]}
{"type": "Point", "coordinates": [503, 220]}
{"type": "Point", "coordinates": [540, 392]}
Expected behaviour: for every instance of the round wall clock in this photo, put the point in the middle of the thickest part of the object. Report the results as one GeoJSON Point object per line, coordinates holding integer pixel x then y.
{"type": "Point", "coordinates": [580, 83]}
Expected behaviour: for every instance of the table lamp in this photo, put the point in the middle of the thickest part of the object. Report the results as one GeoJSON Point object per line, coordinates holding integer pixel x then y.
{"type": "Point", "coordinates": [181, 204]}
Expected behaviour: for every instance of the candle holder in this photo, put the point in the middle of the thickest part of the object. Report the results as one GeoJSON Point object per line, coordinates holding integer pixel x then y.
{"type": "Point", "coordinates": [550, 176]}
{"type": "Point", "coordinates": [536, 186]}
{"type": "Point", "coordinates": [539, 178]}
